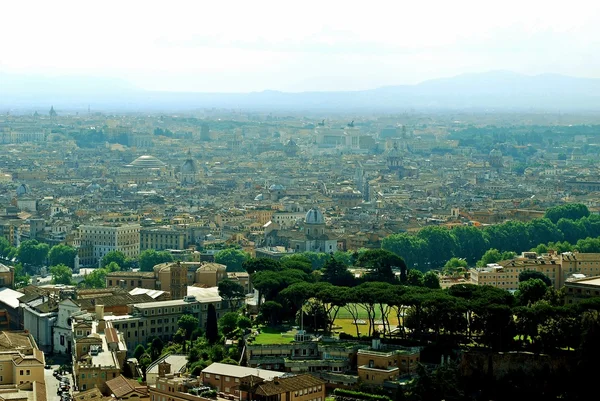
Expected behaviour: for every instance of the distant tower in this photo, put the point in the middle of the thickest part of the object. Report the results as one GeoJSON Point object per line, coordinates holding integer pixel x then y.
{"type": "Point", "coordinates": [496, 159]}
{"type": "Point", "coordinates": [366, 191]}
{"type": "Point", "coordinates": [236, 143]}
{"type": "Point", "coordinates": [205, 133]}
{"type": "Point", "coordinates": [52, 113]}
{"type": "Point", "coordinates": [178, 280]}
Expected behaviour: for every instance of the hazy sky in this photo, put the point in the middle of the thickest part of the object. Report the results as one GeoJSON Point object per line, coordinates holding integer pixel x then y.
{"type": "Point", "coordinates": [220, 45]}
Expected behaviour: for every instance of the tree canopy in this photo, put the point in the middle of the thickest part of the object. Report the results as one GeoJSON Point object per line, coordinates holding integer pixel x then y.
{"type": "Point", "coordinates": [61, 274]}
{"type": "Point", "coordinates": [62, 254]}
{"type": "Point", "coordinates": [232, 258]}
{"type": "Point", "coordinates": [532, 274]}
{"type": "Point", "coordinates": [117, 257]}
{"type": "Point", "coordinates": [150, 258]}
{"type": "Point", "coordinates": [32, 252]}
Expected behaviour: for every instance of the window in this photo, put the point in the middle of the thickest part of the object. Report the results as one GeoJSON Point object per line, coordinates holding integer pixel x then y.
{"type": "Point", "coordinates": [21, 373]}
{"type": "Point", "coordinates": [226, 378]}
{"type": "Point", "coordinates": [217, 377]}
{"type": "Point", "coordinates": [207, 375]}
{"type": "Point", "coordinates": [28, 372]}
{"type": "Point", "coordinates": [237, 380]}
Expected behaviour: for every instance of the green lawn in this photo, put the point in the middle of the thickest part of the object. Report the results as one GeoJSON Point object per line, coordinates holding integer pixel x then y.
{"type": "Point", "coordinates": [362, 313]}
{"type": "Point", "coordinates": [271, 336]}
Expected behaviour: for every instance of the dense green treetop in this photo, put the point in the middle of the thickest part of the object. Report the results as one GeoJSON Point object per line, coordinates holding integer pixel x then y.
{"type": "Point", "coordinates": [150, 258]}
{"type": "Point", "coordinates": [62, 254]}
{"type": "Point", "coordinates": [571, 211]}
{"type": "Point", "coordinates": [232, 258]}
{"type": "Point", "coordinates": [61, 274]}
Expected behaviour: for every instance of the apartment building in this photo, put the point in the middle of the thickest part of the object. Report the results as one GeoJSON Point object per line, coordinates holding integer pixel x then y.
{"type": "Point", "coordinates": [581, 289]}
{"type": "Point", "coordinates": [303, 387]}
{"type": "Point", "coordinates": [161, 238]}
{"type": "Point", "coordinates": [174, 277]}
{"type": "Point", "coordinates": [226, 378]}
{"type": "Point", "coordinates": [100, 352]}
{"type": "Point", "coordinates": [100, 239]}
{"type": "Point", "coordinates": [379, 364]}
{"type": "Point", "coordinates": [159, 319]}
{"type": "Point", "coordinates": [21, 361]}
{"type": "Point", "coordinates": [175, 387]}
{"type": "Point", "coordinates": [557, 267]}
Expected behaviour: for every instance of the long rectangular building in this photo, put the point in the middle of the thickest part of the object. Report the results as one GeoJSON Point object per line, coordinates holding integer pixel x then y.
{"type": "Point", "coordinates": [98, 240]}
{"type": "Point", "coordinates": [159, 319]}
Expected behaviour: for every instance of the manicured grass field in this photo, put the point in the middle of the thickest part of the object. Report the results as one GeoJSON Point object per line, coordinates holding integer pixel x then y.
{"type": "Point", "coordinates": [271, 336]}
{"type": "Point", "coordinates": [362, 313]}
{"type": "Point", "coordinates": [348, 327]}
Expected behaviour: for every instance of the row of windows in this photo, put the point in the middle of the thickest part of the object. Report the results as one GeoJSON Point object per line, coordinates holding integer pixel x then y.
{"type": "Point", "coordinates": [309, 390]}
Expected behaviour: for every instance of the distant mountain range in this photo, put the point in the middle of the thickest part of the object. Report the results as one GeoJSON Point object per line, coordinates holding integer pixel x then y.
{"type": "Point", "coordinates": [491, 91]}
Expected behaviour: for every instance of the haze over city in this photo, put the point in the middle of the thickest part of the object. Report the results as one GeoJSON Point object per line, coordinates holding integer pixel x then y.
{"type": "Point", "coordinates": [235, 46]}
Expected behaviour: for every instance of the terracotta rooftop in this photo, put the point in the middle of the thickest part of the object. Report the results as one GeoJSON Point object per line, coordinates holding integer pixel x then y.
{"type": "Point", "coordinates": [284, 384]}
{"type": "Point", "coordinates": [10, 341]}
{"type": "Point", "coordinates": [121, 386]}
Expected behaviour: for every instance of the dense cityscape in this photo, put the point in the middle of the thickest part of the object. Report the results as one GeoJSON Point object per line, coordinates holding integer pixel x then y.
{"type": "Point", "coordinates": [237, 255]}
{"type": "Point", "coordinates": [299, 201]}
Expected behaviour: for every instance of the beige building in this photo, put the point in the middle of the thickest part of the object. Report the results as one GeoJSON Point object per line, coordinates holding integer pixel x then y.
{"type": "Point", "coordinates": [161, 238]}
{"type": "Point", "coordinates": [174, 277]}
{"type": "Point", "coordinates": [159, 319]}
{"type": "Point", "coordinates": [379, 364]}
{"type": "Point", "coordinates": [557, 267]}
{"type": "Point", "coordinates": [100, 352]}
{"type": "Point", "coordinates": [21, 361]}
{"type": "Point", "coordinates": [7, 276]}
{"type": "Point", "coordinates": [226, 378]}
{"type": "Point", "coordinates": [581, 289]}
{"type": "Point", "coordinates": [103, 238]}
{"type": "Point", "coordinates": [174, 387]}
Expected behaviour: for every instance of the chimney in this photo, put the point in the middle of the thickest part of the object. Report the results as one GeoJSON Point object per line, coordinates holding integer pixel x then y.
{"type": "Point", "coordinates": [100, 312]}
{"type": "Point", "coordinates": [101, 326]}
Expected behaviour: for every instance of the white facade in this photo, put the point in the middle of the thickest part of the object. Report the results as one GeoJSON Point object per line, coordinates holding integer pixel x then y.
{"type": "Point", "coordinates": [106, 238]}
{"type": "Point", "coordinates": [40, 326]}
{"type": "Point", "coordinates": [63, 332]}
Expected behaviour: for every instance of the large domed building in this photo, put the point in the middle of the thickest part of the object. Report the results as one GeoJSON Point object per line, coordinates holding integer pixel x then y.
{"type": "Point", "coordinates": [316, 238]}
{"type": "Point", "coordinates": [147, 162]}
{"type": "Point", "coordinates": [189, 171]}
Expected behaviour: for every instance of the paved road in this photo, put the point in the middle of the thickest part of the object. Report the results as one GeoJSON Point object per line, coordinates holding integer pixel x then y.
{"type": "Point", "coordinates": [52, 383]}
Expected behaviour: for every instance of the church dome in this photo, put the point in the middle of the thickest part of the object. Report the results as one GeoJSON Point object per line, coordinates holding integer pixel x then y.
{"type": "Point", "coordinates": [147, 161]}
{"type": "Point", "coordinates": [314, 216]}
{"type": "Point", "coordinates": [22, 189]}
{"type": "Point", "coordinates": [92, 187]}
{"type": "Point", "coordinates": [189, 167]}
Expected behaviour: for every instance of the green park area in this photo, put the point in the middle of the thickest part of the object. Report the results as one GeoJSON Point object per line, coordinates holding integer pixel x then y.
{"type": "Point", "coordinates": [270, 336]}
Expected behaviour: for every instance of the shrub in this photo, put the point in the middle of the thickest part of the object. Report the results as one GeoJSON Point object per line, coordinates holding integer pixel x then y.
{"type": "Point", "coordinates": [342, 394]}
{"type": "Point", "coordinates": [209, 394]}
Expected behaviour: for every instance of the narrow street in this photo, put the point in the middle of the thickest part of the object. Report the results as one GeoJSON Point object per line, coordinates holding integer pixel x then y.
{"type": "Point", "coordinates": [52, 383]}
